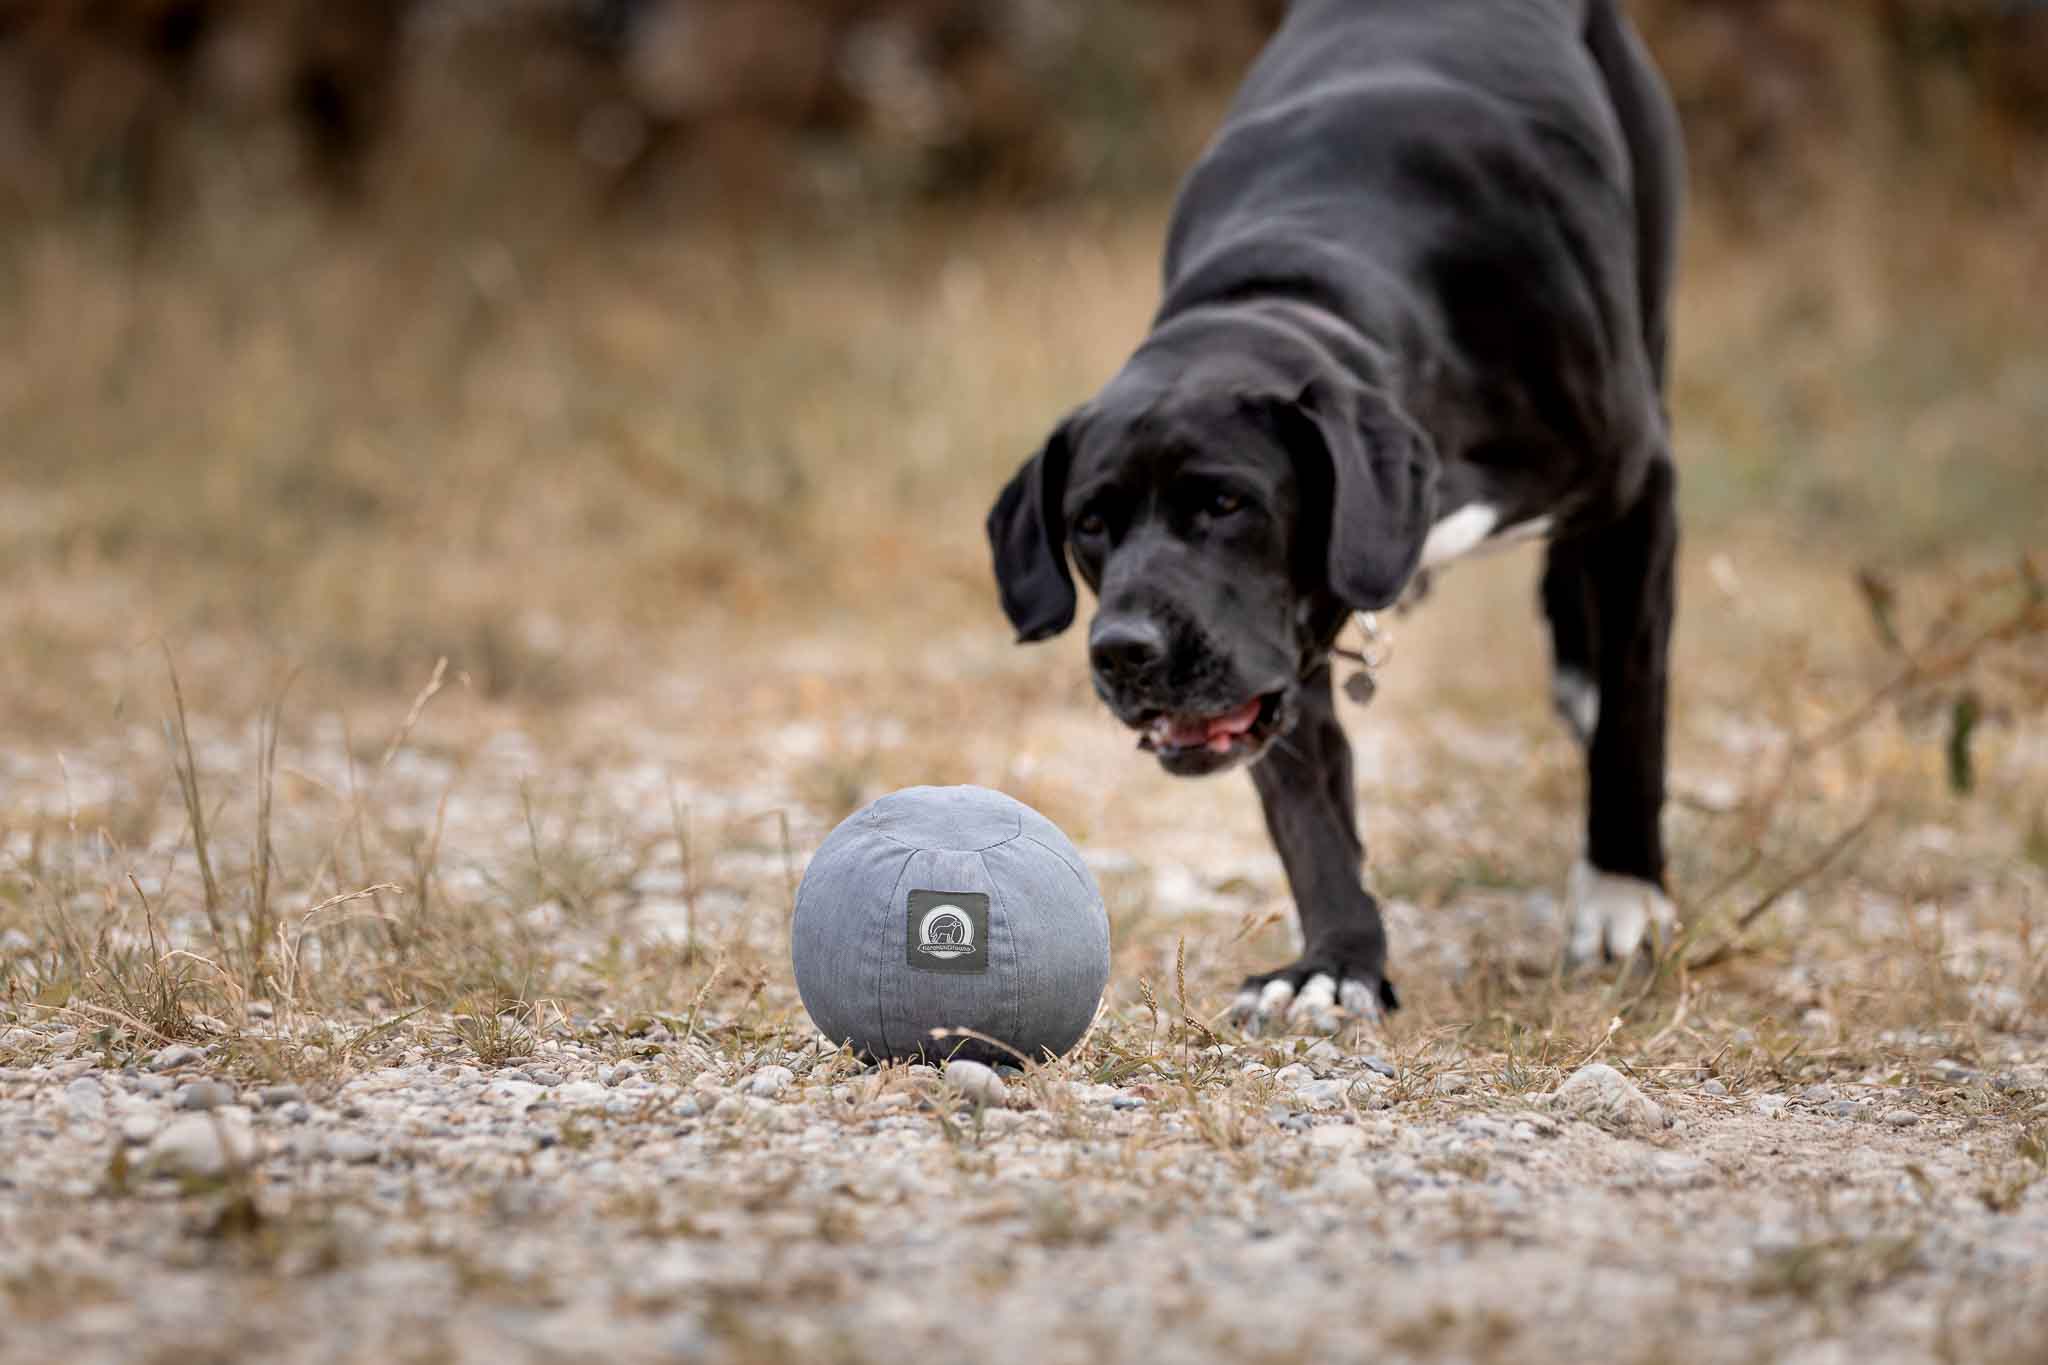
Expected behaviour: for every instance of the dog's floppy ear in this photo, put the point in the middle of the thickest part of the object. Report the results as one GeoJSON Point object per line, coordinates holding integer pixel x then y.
{"type": "Point", "coordinates": [1027, 531]}
{"type": "Point", "coordinates": [1380, 490]}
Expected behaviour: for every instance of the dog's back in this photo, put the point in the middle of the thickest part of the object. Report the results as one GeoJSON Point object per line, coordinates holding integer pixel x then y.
{"type": "Point", "coordinates": [1473, 151]}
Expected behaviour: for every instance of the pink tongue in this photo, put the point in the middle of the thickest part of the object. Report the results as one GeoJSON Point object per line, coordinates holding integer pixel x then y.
{"type": "Point", "coordinates": [1236, 722]}
{"type": "Point", "coordinates": [1212, 732]}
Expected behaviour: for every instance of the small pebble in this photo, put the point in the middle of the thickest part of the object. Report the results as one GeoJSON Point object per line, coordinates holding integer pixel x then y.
{"type": "Point", "coordinates": [203, 1095]}
{"type": "Point", "coordinates": [1321, 1094]}
{"type": "Point", "coordinates": [1601, 1093]}
{"type": "Point", "coordinates": [1714, 1086]}
{"type": "Point", "coordinates": [546, 1077]}
{"type": "Point", "coordinates": [139, 1128]}
{"type": "Point", "coordinates": [198, 1145]}
{"type": "Point", "coordinates": [735, 1108]}
{"type": "Point", "coordinates": [978, 1084]}
{"type": "Point", "coordinates": [1677, 1171]}
{"type": "Point", "coordinates": [351, 1148]}
{"type": "Point", "coordinates": [580, 1095]}
{"type": "Point", "coordinates": [1381, 1065]}
{"type": "Point", "coordinates": [175, 1056]}
{"type": "Point", "coordinates": [518, 1094]}
{"type": "Point", "coordinates": [271, 1096]}
{"type": "Point", "coordinates": [84, 1099]}
{"type": "Point", "coordinates": [770, 1081]}
{"type": "Point", "coordinates": [1901, 1118]}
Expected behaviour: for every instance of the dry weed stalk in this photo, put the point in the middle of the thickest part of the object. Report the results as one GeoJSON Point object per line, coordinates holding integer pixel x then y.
{"type": "Point", "coordinates": [178, 737]}
{"type": "Point", "coordinates": [1938, 672]}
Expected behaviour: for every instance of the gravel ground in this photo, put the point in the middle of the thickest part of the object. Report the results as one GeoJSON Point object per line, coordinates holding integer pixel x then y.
{"type": "Point", "coordinates": [795, 1207]}
{"type": "Point", "coordinates": [576, 1112]}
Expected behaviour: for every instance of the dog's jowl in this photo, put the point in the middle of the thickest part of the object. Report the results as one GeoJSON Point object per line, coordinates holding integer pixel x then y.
{"type": "Point", "coordinates": [1416, 301]}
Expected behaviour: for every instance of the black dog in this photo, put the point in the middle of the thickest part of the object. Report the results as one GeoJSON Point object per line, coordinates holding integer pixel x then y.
{"type": "Point", "coordinates": [1416, 299]}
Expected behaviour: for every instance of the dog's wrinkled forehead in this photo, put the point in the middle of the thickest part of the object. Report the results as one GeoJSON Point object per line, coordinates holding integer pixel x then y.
{"type": "Point", "coordinates": [1133, 442]}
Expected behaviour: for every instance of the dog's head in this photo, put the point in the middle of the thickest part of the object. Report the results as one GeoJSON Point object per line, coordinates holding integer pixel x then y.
{"type": "Point", "coordinates": [1226, 523]}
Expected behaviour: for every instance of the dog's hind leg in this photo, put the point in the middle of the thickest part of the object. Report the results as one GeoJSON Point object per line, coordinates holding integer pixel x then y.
{"type": "Point", "coordinates": [1624, 576]}
{"type": "Point", "coordinates": [1574, 639]}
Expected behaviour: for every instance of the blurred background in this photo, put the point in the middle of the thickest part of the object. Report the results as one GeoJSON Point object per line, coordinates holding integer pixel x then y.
{"type": "Point", "coordinates": [534, 333]}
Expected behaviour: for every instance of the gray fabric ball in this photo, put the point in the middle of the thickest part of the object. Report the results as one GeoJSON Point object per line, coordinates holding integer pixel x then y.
{"type": "Point", "coordinates": [950, 907]}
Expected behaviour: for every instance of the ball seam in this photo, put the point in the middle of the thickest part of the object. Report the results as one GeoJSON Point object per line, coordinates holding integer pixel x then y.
{"type": "Point", "coordinates": [1016, 958]}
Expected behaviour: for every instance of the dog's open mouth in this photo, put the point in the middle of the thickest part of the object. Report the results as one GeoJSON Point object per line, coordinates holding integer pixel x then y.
{"type": "Point", "coordinates": [1239, 729]}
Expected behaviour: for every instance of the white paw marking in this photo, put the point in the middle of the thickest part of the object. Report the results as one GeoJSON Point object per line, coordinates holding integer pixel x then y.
{"type": "Point", "coordinates": [1315, 1007]}
{"type": "Point", "coordinates": [1319, 992]}
{"type": "Point", "coordinates": [1318, 1007]}
{"type": "Point", "coordinates": [1361, 1000]}
{"type": "Point", "coordinates": [1611, 918]}
{"type": "Point", "coordinates": [1577, 698]}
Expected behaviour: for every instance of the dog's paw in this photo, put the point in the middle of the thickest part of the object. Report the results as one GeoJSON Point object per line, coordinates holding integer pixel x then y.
{"type": "Point", "coordinates": [1315, 995]}
{"type": "Point", "coordinates": [1612, 918]}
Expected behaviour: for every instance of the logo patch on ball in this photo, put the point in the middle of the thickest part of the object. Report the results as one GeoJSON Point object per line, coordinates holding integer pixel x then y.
{"type": "Point", "coordinates": [948, 931]}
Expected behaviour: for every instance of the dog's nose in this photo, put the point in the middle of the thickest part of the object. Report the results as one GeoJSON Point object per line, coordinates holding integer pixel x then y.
{"type": "Point", "coordinates": [1126, 647]}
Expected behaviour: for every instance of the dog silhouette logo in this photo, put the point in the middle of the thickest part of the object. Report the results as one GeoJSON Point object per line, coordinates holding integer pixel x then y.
{"type": "Point", "coordinates": [945, 932]}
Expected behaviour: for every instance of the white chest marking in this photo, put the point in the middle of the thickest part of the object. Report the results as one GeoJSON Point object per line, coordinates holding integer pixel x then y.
{"type": "Point", "coordinates": [1471, 526]}
{"type": "Point", "coordinates": [1457, 534]}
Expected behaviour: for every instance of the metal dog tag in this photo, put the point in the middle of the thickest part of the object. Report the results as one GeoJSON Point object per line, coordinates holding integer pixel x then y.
{"type": "Point", "coordinates": [1373, 651]}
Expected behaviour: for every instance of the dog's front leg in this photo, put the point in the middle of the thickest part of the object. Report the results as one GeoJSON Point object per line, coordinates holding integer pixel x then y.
{"type": "Point", "coordinates": [1304, 783]}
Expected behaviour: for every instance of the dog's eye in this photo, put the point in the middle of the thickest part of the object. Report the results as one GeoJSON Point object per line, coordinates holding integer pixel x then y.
{"type": "Point", "coordinates": [1090, 524]}
{"type": "Point", "coordinates": [1223, 504]}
